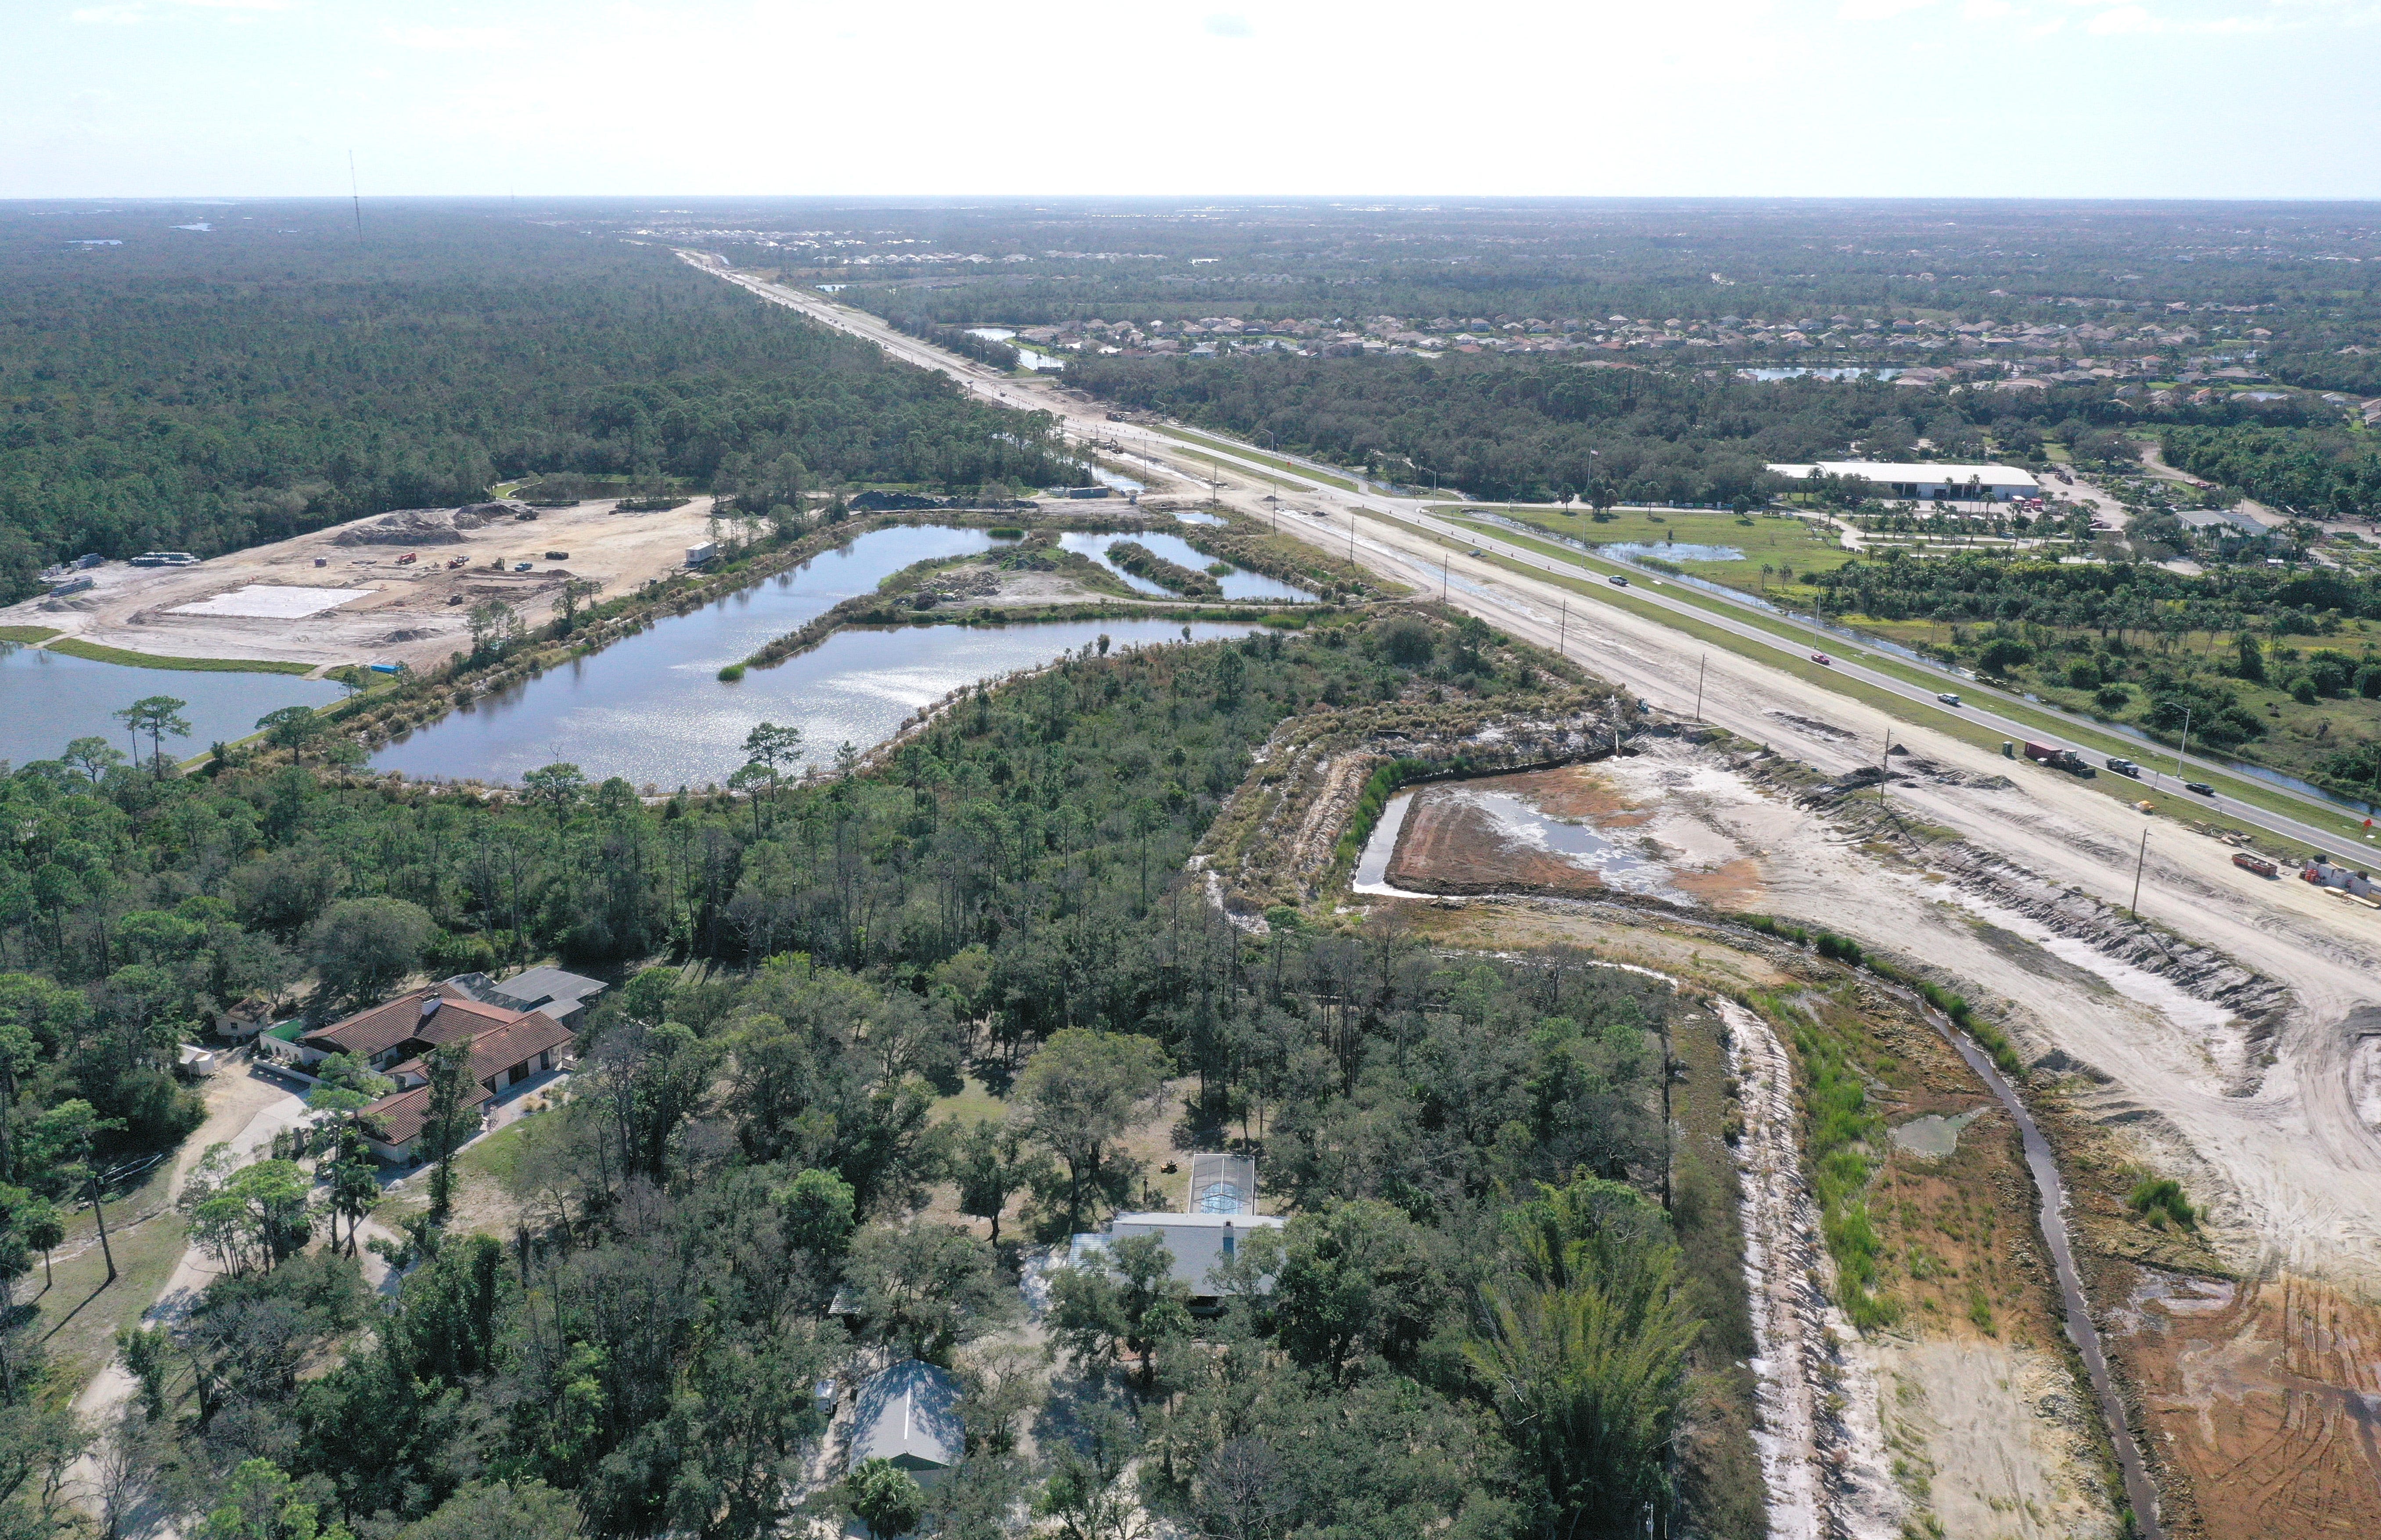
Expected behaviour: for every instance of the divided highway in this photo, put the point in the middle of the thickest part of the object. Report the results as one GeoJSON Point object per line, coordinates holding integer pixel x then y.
{"type": "Point", "coordinates": [1407, 535]}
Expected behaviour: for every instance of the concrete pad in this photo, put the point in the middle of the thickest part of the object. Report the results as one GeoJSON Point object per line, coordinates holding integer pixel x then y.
{"type": "Point", "coordinates": [271, 602]}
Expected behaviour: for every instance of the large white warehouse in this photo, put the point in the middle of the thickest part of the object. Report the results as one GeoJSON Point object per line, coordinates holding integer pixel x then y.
{"type": "Point", "coordinates": [1965, 484]}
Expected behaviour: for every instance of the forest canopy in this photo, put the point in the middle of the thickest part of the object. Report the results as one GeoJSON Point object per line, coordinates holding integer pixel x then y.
{"type": "Point", "coordinates": [209, 389]}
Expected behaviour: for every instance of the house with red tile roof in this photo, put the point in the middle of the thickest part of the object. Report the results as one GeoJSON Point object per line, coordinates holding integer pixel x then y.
{"type": "Point", "coordinates": [396, 1038]}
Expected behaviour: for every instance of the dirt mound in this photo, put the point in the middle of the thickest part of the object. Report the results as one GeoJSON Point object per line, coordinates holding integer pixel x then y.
{"type": "Point", "coordinates": [430, 526]}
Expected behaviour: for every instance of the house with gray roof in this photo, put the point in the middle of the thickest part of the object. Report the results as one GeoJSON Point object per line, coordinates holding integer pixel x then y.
{"type": "Point", "coordinates": [908, 1416]}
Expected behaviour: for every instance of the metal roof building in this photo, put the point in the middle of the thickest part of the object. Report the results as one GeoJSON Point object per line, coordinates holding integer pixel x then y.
{"type": "Point", "coordinates": [908, 1416]}
{"type": "Point", "coordinates": [1921, 480]}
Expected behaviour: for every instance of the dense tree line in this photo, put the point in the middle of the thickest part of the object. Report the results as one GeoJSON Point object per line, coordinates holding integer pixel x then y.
{"type": "Point", "coordinates": [2316, 471]}
{"type": "Point", "coordinates": [1477, 1311]}
{"type": "Point", "coordinates": [1544, 429]}
{"type": "Point", "coordinates": [207, 391]}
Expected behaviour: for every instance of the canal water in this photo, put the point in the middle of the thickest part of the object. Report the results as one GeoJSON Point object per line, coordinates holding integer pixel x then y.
{"type": "Point", "coordinates": [48, 700]}
{"type": "Point", "coordinates": [651, 708]}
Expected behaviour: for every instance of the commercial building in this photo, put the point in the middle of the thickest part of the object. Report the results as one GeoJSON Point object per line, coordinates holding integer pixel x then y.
{"type": "Point", "coordinates": [1925, 483]}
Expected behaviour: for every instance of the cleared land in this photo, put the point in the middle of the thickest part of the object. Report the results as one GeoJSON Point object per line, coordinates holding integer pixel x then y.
{"type": "Point", "coordinates": [261, 603]}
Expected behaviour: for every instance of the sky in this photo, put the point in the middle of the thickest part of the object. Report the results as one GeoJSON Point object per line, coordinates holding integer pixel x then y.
{"type": "Point", "coordinates": [2265, 99]}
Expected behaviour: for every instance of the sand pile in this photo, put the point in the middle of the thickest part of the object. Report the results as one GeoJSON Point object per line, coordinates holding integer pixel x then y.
{"type": "Point", "coordinates": [430, 526]}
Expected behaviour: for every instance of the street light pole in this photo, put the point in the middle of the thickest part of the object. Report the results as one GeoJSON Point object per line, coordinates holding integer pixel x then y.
{"type": "Point", "coordinates": [2186, 743]}
{"type": "Point", "coordinates": [1699, 664]}
{"type": "Point", "coordinates": [2139, 862]}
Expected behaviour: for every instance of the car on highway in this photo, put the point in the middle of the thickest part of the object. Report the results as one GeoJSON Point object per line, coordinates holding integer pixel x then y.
{"type": "Point", "coordinates": [2125, 767]}
{"type": "Point", "coordinates": [1823, 658]}
{"type": "Point", "coordinates": [1946, 698]}
{"type": "Point", "coordinates": [2202, 787]}
{"type": "Point", "coordinates": [1618, 581]}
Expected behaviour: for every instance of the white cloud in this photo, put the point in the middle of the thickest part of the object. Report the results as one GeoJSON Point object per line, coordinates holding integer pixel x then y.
{"type": "Point", "coordinates": [1227, 24]}
{"type": "Point", "coordinates": [1877, 10]}
{"type": "Point", "coordinates": [107, 16]}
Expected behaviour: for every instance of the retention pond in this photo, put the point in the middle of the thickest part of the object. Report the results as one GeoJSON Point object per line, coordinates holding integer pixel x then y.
{"type": "Point", "coordinates": [652, 710]}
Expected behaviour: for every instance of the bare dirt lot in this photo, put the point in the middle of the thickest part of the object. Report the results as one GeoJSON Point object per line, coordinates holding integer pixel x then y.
{"type": "Point", "coordinates": [2265, 1393]}
{"type": "Point", "coordinates": [404, 613]}
{"type": "Point", "coordinates": [1647, 823]}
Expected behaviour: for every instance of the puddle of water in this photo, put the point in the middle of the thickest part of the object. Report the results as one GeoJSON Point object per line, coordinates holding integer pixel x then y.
{"type": "Point", "coordinates": [1173, 548]}
{"type": "Point", "coordinates": [1577, 844]}
{"type": "Point", "coordinates": [1640, 550]}
{"type": "Point", "coordinates": [1373, 868]}
{"type": "Point", "coordinates": [48, 700]}
{"type": "Point", "coordinates": [1186, 517]}
{"type": "Point", "coordinates": [1115, 480]}
{"type": "Point", "coordinates": [1934, 1135]}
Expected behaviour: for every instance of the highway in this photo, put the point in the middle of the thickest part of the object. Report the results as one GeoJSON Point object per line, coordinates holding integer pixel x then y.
{"type": "Point", "coordinates": [1406, 535]}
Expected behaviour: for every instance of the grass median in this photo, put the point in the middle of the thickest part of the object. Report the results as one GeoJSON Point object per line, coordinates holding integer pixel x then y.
{"type": "Point", "coordinates": [26, 633]}
{"type": "Point", "coordinates": [1288, 468]}
{"type": "Point", "coordinates": [1790, 656]}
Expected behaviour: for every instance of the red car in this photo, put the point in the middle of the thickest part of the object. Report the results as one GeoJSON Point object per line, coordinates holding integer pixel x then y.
{"type": "Point", "coordinates": [1823, 658]}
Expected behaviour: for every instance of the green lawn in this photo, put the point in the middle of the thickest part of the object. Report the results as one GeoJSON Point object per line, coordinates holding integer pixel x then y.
{"type": "Point", "coordinates": [26, 633]}
{"type": "Point", "coordinates": [97, 654]}
{"type": "Point", "coordinates": [78, 1312]}
{"type": "Point", "coordinates": [1800, 544]}
{"type": "Point", "coordinates": [974, 1104]}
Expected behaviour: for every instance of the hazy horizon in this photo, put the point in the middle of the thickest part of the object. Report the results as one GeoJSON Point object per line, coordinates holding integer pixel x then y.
{"type": "Point", "coordinates": [2189, 100]}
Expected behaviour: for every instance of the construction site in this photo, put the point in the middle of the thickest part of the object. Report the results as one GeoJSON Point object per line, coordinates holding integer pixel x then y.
{"type": "Point", "coordinates": [397, 587]}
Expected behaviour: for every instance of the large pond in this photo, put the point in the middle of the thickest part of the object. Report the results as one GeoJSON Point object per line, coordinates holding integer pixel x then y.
{"type": "Point", "coordinates": [1029, 357]}
{"type": "Point", "coordinates": [650, 708]}
{"type": "Point", "coordinates": [1182, 552]}
{"type": "Point", "coordinates": [48, 700]}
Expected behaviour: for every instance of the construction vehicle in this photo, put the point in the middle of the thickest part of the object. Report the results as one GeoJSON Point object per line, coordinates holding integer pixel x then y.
{"type": "Point", "coordinates": [409, 558]}
{"type": "Point", "coordinates": [2060, 758]}
{"type": "Point", "coordinates": [456, 562]}
{"type": "Point", "coordinates": [557, 555]}
{"type": "Point", "coordinates": [2257, 863]}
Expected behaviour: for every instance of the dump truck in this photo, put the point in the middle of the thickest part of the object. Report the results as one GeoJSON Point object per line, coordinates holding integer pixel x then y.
{"type": "Point", "coordinates": [2060, 758]}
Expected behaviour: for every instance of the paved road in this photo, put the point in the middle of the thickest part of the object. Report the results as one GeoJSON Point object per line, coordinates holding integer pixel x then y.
{"type": "Point", "coordinates": [1385, 524]}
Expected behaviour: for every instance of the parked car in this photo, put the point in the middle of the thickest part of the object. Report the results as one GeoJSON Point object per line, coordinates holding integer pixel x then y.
{"type": "Point", "coordinates": [1477, 551]}
{"type": "Point", "coordinates": [2202, 787]}
{"type": "Point", "coordinates": [1946, 698]}
{"type": "Point", "coordinates": [523, 567]}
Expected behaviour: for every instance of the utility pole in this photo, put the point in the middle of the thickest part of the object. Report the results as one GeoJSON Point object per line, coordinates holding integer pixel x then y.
{"type": "Point", "coordinates": [2186, 743]}
{"type": "Point", "coordinates": [1446, 560]}
{"type": "Point", "coordinates": [1700, 663]}
{"type": "Point", "coordinates": [98, 1214]}
{"type": "Point", "coordinates": [2139, 862]}
{"type": "Point", "coordinates": [1562, 630]}
{"type": "Point", "coordinates": [355, 193]}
